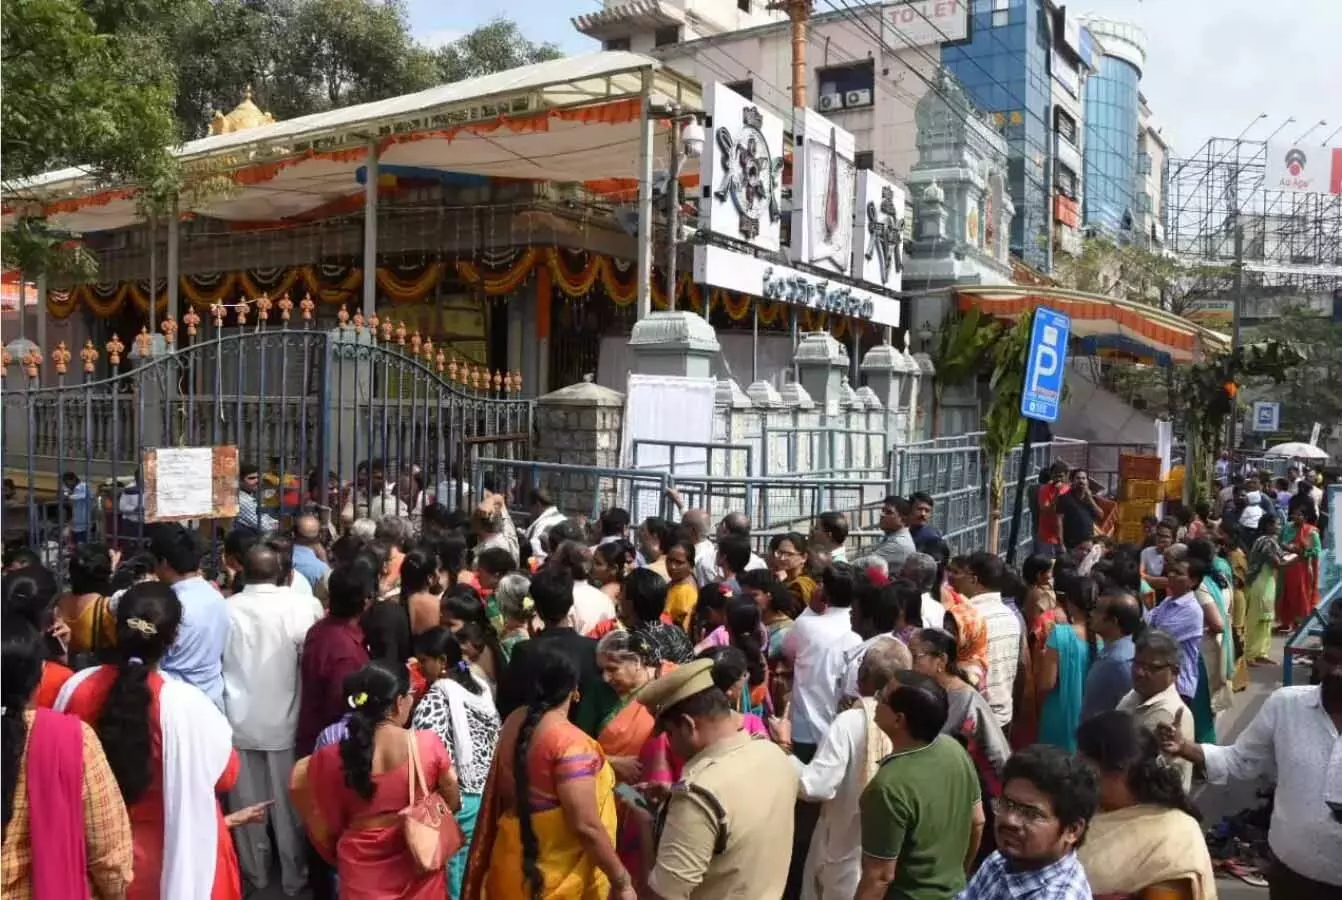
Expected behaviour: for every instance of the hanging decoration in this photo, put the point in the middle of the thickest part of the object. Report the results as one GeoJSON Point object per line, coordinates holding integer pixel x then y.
{"type": "Point", "coordinates": [496, 273]}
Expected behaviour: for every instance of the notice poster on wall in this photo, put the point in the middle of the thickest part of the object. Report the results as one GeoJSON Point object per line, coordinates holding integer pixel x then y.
{"type": "Point", "coordinates": [183, 483]}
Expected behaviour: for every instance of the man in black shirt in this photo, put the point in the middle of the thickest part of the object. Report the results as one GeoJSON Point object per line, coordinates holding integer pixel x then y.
{"type": "Point", "coordinates": [1079, 511]}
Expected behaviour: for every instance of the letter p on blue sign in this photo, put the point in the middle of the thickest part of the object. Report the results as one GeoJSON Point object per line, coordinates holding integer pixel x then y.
{"type": "Point", "coordinates": [1046, 361]}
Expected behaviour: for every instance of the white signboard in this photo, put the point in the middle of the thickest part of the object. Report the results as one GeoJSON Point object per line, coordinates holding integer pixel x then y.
{"type": "Point", "coordinates": [1303, 168]}
{"type": "Point", "coordinates": [742, 167]}
{"type": "Point", "coordinates": [1065, 74]}
{"type": "Point", "coordinates": [822, 193]}
{"type": "Point", "coordinates": [745, 274]}
{"type": "Point", "coordinates": [878, 232]}
{"type": "Point", "coordinates": [920, 23]}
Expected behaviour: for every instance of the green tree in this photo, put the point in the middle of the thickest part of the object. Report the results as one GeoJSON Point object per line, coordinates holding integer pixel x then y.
{"type": "Point", "coordinates": [1135, 273]}
{"type": "Point", "coordinates": [1308, 392]}
{"type": "Point", "coordinates": [78, 96]}
{"type": "Point", "coordinates": [493, 47]}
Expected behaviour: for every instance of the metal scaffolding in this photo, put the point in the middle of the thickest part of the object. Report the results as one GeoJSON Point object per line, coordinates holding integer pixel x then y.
{"type": "Point", "coordinates": [1292, 241]}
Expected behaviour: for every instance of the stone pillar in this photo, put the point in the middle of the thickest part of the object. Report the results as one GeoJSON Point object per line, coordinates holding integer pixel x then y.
{"type": "Point", "coordinates": [884, 372]}
{"type": "Point", "coordinates": [580, 425]}
{"type": "Point", "coordinates": [821, 363]}
{"type": "Point", "coordinates": [349, 378]}
{"type": "Point", "coordinates": [676, 342]}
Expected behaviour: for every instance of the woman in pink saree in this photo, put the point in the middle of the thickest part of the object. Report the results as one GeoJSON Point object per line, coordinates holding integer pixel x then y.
{"type": "Point", "coordinates": [351, 794]}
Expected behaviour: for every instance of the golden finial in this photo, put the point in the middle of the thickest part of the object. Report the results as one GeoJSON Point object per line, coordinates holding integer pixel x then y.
{"type": "Point", "coordinates": [359, 322]}
{"type": "Point", "coordinates": [240, 311]}
{"type": "Point", "coordinates": [426, 349]}
{"type": "Point", "coordinates": [31, 361]}
{"type": "Point", "coordinates": [517, 382]}
{"type": "Point", "coordinates": [286, 308]}
{"type": "Point", "coordinates": [218, 311]}
{"type": "Point", "coordinates": [192, 321]}
{"type": "Point", "coordinates": [306, 307]}
{"type": "Point", "coordinates": [245, 115]}
{"type": "Point", "coordinates": [439, 360]}
{"type": "Point", "coordinates": [343, 318]}
{"type": "Point", "coordinates": [169, 329]}
{"type": "Point", "coordinates": [144, 343]}
{"type": "Point", "coordinates": [6, 360]}
{"type": "Point", "coordinates": [415, 341]}
{"type": "Point", "coordinates": [89, 355]}
{"type": "Point", "coordinates": [452, 371]}
{"type": "Point", "coordinates": [61, 357]}
{"type": "Point", "coordinates": [263, 307]}
{"type": "Point", "coordinates": [373, 323]}
{"type": "Point", "coordinates": [400, 334]}
{"type": "Point", "coordinates": [498, 382]}
{"type": "Point", "coordinates": [114, 350]}
{"type": "Point", "coordinates": [386, 329]}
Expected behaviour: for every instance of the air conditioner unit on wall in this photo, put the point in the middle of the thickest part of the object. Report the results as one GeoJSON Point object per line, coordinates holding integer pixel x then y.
{"type": "Point", "coordinates": [830, 102]}
{"type": "Point", "coordinates": [857, 98]}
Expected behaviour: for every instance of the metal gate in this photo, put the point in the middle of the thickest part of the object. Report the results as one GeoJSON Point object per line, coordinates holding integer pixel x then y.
{"type": "Point", "coordinates": [295, 400]}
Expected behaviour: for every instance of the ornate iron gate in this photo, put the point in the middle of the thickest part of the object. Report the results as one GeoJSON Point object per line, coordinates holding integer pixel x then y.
{"type": "Point", "coordinates": [295, 400]}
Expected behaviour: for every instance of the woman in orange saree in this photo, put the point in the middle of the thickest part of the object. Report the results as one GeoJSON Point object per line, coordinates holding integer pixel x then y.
{"type": "Point", "coordinates": [547, 821]}
{"type": "Point", "coordinates": [1300, 578]}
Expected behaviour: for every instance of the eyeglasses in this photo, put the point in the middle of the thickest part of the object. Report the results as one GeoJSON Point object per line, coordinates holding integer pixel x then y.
{"type": "Point", "coordinates": [1031, 815]}
{"type": "Point", "coordinates": [1139, 666]}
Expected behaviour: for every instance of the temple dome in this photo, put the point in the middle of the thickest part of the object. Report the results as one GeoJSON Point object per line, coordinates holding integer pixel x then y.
{"type": "Point", "coordinates": [245, 115]}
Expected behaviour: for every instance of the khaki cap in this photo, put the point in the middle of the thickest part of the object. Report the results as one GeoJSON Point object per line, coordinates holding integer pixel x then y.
{"type": "Point", "coordinates": [673, 687]}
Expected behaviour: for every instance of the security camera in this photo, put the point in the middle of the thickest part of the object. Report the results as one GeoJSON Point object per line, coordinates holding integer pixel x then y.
{"type": "Point", "coordinates": [692, 139]}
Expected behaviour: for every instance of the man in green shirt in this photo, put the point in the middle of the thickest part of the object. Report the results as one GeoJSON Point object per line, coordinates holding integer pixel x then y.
{"type": "Point", "coordinates": [922, 815]}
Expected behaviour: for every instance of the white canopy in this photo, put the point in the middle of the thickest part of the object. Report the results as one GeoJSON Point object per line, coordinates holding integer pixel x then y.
{"type": "Point", "coordinates": [572, 119]}
{"type": "Point", "coordinates": [1296, 450]}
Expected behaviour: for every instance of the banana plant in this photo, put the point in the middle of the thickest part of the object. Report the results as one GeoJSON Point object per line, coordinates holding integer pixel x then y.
{"type": "Point", "coordinates": [962, 349]}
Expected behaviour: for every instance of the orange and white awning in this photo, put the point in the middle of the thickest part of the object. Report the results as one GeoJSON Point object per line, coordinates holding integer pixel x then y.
{"type": "Point", "coordinates": [1103, 326]}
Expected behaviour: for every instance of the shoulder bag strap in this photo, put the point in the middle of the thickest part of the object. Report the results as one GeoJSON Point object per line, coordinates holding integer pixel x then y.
{"type": "Point", "coordinates": [417, 775]}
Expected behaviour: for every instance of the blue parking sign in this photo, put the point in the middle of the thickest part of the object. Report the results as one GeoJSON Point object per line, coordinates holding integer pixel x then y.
{"type": "Point", "coordinates": [1041, 398]}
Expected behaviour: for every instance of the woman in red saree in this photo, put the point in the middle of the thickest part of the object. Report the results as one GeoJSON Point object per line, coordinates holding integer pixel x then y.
{"type": "Point", "coordinates": [1300, 578]}
{"type": "Point", "coordinates": [351, 794]}
{"type": "Point", "coordinates": [171, 750]}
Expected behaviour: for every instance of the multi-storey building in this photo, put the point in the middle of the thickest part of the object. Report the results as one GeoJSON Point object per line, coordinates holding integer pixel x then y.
{"type": "Point", "coordinates": [1152, 152]}
{"type": "Point", "coordinates": [1113, 121]}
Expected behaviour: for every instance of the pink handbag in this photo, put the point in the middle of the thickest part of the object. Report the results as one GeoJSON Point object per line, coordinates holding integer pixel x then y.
{"type": "Point", "coordinates": [432, 833]}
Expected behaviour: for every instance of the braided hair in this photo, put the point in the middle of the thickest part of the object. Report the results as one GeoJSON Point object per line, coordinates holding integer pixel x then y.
{"type": "Point", "coordinates": [21, 655]}
{"type": "Point", "coordinates": [147, 620]}
{"type": "Point", "coordinates": [745, 632]}
{"type": "Point", "coordinates": [1116, 743]}
{"type": "Point", "coordinates": [553, 680]}
{"type": "Point", "coordinates": [372, 693]}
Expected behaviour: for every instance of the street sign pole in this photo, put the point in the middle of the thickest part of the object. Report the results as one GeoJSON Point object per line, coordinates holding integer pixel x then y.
{"type": "Point", "coordinates": [1040, 399]}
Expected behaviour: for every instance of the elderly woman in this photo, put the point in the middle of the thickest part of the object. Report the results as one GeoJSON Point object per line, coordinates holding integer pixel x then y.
{"type": "Point", "coordinates": [515, 609]}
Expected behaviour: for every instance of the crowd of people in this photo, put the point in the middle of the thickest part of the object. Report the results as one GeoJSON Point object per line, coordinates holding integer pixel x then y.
{"type": "Point", "coordinates": [654, 710]}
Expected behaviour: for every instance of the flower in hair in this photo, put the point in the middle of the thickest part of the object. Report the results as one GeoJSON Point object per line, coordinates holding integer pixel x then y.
{"type": "Point", "coordinates": [528, 604]}
{"type": "Point", "coordinates": [148, 629]}
{"type": "Point", "coordinates": [357, 700]}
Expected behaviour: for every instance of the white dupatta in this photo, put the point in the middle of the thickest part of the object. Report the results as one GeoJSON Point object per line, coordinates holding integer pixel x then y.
{"type": "Point", "coordinates": [458, 699]}
{"type": "Point", "coordinates": [197, 743]}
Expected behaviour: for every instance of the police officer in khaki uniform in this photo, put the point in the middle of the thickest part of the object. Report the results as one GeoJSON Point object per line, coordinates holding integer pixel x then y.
{"type": "Point", "coordinates": [726, 828]}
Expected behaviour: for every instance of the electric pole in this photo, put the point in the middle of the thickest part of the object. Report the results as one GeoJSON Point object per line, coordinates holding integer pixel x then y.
{"type": "Point", "coordinates": [673, 213]}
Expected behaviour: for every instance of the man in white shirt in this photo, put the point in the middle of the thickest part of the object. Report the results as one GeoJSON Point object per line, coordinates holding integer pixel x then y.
{"type": "Point", "coordinates": [979, 581]}
{"type": "Point", "coordinates": [846, 760]}
{"type": "Point", "coordinates": [545, 515]}
{"type": "Point", "coordinates": [591, 605]}
{"type": "Point", "coordinates": [706, 569]}
{"type": "Point", "coordinates": [1295, 735]}
{"type": "Point", "coordinates": [267, 625]}
{"type": "Point", "coordinates": [921, 569]}
{"type": "Point", "coordinates": [876, 614]}
{"type": "Point", "coordinates": [816, 647]}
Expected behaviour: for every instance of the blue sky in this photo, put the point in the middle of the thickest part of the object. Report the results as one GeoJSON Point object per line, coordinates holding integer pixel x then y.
{"type": "Point", "coordinates": [436, 22]}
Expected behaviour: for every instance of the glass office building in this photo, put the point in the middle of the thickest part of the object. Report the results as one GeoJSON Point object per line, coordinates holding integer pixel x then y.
{"type": "Point", "coordinates": [1004, 70]}
{"type": "Point", "coordinates": [1112, 120]}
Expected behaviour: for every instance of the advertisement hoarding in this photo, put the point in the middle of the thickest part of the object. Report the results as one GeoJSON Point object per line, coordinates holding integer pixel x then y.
{"type": "Point", "coordinates": [920, 23]}
{"type": "Point", "coordinates": [1303, 168]}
